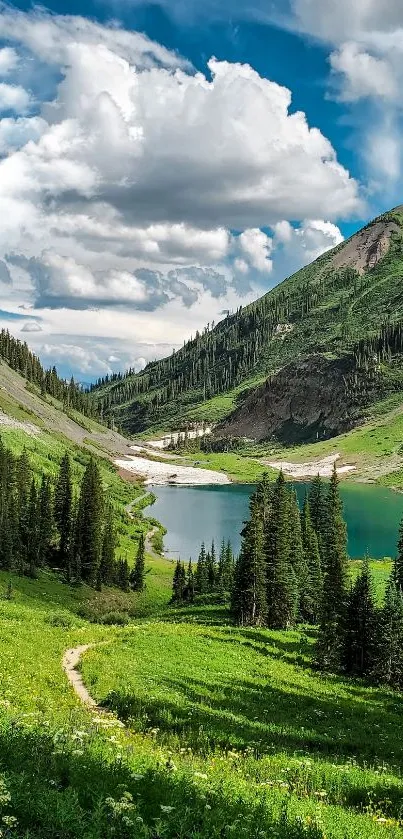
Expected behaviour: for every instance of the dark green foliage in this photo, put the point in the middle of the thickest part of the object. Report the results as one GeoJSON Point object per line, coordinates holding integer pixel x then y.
{"type": "Point", "coordinates": [335, 582]}
{"type": "Point", "coordinates": [249, 604]}
{"type": "Point", "coordinates": [298, 558]}
{"type": "Point", "coordinates": [88, 536]}
{"type": "Point", "coordinates": [190, 584]}
{"type": "Point", "coordinates": [201, 575]}
{"type": "Point", "coordinates": [107, 565]}
{"type": "Point", "coordinates": [123, 575]}
{"type": "Point", "coordinates": [45, 523]}
{"type": "Point", "coordinates": [282, 586]}
{"type": "Point", "coordinates": [211, 565]}
{"type": "Point", "coordinates": [398, 565]}
{"type": "Point", "coordinates": [311, 596]}
{"type": "Point", "coordinates": [317, 509]}
{"type": "Point", "coordinates": [63, 513]}
{"type": "Point", "coordinates": [32, 544]}
{"type": "Point", "coordinates": [179, 583]}
{"type": "Point", "coordinates": [225, 579]}
{"type": "Point", "coordinates": [137, 576]}
{"type": "Point", "coordinates": [41, 526]}
{"type": "Point", "coordinates": [361, 626]}
{"type": "Point", "coordinates": [388, 665]}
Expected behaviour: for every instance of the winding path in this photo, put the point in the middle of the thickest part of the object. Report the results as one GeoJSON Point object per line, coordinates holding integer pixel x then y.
{"type": "Point", "coordinates": [70, 662]}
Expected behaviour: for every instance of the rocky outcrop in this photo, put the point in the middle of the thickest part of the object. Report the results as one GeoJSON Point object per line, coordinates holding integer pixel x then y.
{"type": "Point", "coordinates": [307, 400]}
{"type": "Point", "coordinates": [366, 248]}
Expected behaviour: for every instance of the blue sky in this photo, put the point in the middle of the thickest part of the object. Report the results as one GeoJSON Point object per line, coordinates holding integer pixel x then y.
{"type": "Point", "coordinates": [161, 163]}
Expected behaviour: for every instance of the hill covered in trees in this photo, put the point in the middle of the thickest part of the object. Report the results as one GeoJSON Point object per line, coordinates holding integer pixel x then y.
{"type": "Point", "coordinates": [342, 316]}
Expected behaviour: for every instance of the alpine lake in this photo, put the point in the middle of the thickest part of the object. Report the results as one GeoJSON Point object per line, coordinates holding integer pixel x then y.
{"type": "Point", "coordinates": [193, 514]}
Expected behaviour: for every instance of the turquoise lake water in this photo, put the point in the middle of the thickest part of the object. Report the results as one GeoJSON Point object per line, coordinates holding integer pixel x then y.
{"type": "Point", "coordinates": [194, 514]}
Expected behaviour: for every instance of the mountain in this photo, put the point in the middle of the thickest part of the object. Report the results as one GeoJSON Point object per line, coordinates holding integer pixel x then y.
{"type": "Point", "coordinates": [304, 361]}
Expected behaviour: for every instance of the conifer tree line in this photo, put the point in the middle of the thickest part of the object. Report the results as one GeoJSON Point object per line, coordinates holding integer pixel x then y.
{"type": "Point", "coordinates": [47, 524]}
{"type": "Point", "coordinates": [213, 575]}
{"type": "Point", "coordinates": [293, 567]}
{"type": "Point", "coordinates": [19, 357]}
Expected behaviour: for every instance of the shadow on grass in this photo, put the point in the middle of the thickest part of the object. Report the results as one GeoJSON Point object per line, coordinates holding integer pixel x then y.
{"type": "Point", "coordinates": [225, 714]}
{"type": "Point", "coordinates": [56, 793]}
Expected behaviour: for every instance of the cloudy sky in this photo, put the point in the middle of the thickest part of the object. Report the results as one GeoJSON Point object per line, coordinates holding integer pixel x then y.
{"type": "Point", "coordinates": [162, 163]}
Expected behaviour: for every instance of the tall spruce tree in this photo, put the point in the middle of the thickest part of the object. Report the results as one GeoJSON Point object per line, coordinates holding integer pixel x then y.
{"type": "Point", "coordinates": [32, 534]}
{"type": "Point", "coordinates": [388, 667]}
{"type": "Point", "coordinates": [137, 576]}
{"type": "Point", "coordinates": [190, 583]}
{"type": "Point", "coordinates": [225, 568]}
{"type": "Point", "coordinates": [178, 583]}
{"type": "Point", "coordinates": [330, 642]}
{"type": "Point", "coordinates": [107, 564]}
{"type": "Point", "coordinates": [297, 555]}
{"type": "Point", "coordinates": [89, 523]}
{"type": "Point", "coordinates": [201, 574]}
{"type": "Point", "coordinates": [398, 564]}
{"type": "Point", "coordinates": [311, 595]}
{"type": "Point", "coordinates": [63, 513]}
{"type": "Point", "coordinates": [45, 522]}
{"type": "Point", "coordinates": [248, 604]}
{"type": "Point", "coordinates": [123, 574]}
{"type": "Point", "coordinates": [361, 626]}
{"type": "Point", "coordinates": [318, 514]}
{"type": "Point", "coordinates": [211, 564]}
{"type": "Point", "coordinates": [282, 589]}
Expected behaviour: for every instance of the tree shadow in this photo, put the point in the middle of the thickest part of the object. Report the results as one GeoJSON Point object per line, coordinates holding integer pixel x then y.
{"type": "Point", "coordinates": [64, 794]}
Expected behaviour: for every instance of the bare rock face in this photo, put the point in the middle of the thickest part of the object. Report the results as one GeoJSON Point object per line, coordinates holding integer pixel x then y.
{"type": "Point", "coordinates": [367, 247]}
{"type": "Point", "coordinates": [305, 401]}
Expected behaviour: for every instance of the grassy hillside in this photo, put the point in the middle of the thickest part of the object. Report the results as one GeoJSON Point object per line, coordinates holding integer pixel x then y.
{"type": "Point", "coordinates": [325, 309]}
{"type": "Point", "coordinates": [231, 733]}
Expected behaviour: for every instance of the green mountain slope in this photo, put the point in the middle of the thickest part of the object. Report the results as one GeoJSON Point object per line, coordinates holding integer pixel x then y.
{"type": "Point", "coordinates": [324, 310]}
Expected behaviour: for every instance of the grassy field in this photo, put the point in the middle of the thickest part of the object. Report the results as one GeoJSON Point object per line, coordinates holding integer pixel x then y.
{"type": "Point", "coordinates": [216, 732]}
{"type": "Point", "coordinates": [231, 731]}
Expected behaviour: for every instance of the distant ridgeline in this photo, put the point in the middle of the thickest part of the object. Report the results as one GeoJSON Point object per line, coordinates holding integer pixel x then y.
{"type": "Point", "coordinates": [332, 308]}
{"type": "Point", "coordinates": [19, 357]}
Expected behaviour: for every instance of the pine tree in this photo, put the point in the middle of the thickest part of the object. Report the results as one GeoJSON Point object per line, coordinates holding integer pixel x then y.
{"type": "Point", "coordinates": [317, 509]}
{"type": "Point", "coordinates": [248, 603]}
{"type": "Point", "coordinates": [137, 576]}
{"type": "Point", "coordinates": [361, 626]}
{"type": "Point", "coordinates": [32, 544]}
{"type": "Point", "coordinates": [123, 575]}
{"type": "Point", "coordinates": [211, 564]}
{"type": "Point", "coordinates": [190, 583]}
{"type": "Point", "coordinates": [311, 596]}
{"type": "Point", "coordinates": [89, 523]}
{"type": "Point", "coordinates": [201, 574]}
{"type": "Point", "coordinates": [297, 555]}
{"type": "Point", "coordinates": [107, 564]}
{"type": "Point", "coordinates": [45, 522]}
{"type": "Point", "coordinates": [63, 512]}
{"type": "Point", "coordinates": [23, 487]}
{"type": "Point", "coordinates": [282, 591]}
{"type": "Point", "coordinates": [388, 665]}
{"type": "Point", "coordinates": [225, 576]}
{"type": "Point", "coordinates": [335, 582]}
{"type": "Point", "coordinates": [178, 583]}
{"type": "Point", "coordinates": [398, 564]}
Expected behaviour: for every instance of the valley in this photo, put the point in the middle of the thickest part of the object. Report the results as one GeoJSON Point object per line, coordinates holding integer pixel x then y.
{"type": "Point", "coordinates": [131, 709]}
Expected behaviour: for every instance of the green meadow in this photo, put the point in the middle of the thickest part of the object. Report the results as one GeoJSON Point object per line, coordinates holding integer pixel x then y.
{"type": "Point", "coordinates": [215, 731]}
